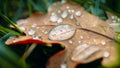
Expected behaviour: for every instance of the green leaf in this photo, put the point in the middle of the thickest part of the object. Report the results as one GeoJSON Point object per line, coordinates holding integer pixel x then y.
{"type": "Point", "coordinates": [9, 59]}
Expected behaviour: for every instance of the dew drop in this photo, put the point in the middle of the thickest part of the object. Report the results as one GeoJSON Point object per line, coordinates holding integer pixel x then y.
{"type": "Point", "coordinates": [61, 32]}
{"type": "Point", "coordinates": [72, 11]}
{"type": "Point", "coordinates": [72, 16]}
{"type": "Point", "coordinates": [70, 41]}
{"type": "Point", "coordinates": [84, 53]}
{"type": "Point", "coordinates": [94, 40]}
{"type": "Point", "coordinates": [79, 41]}
{"type": "Point", "coordinates": [69, 11]}
{"type": "Point", "coordinates": [45, 32]}
{"type": "Point", "coordinates": [63, 65]}
{"type": "Point", "coordinates": [59, 11]}
{"type": "Point", "coordinates": [37, 27]}
{"type": "Point", "coordinates": [81, 47]}
{"type": "Point", "coordinates": [64, 14]}
{"type": "Point", "coordinates": [81, 37]}
{"type": "Point", "coordinates": [60, 20]}
{"type": "Point", "coordinates": [37, 37]}
{"type": "Point", "coordinates": [106, 54]}
{"type": "Point", "coordinates": [78, 13]}
{"type": "Point", "coordinates": [103, 42]}
{"type": "Point", "coordinates": [53, 18]}
{"type": "Point", "coordinates": [31, 32]}
{"type": "Point", "coordinates": [112, 17]}
{"type": "Point", "coordinates": [53, 13]}
{"type": "Point", "coordinates": [67, 7]}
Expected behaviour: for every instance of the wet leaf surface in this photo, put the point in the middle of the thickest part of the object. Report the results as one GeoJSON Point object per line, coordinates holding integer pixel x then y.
{"type": "Point", "coordinates": [83, 28]}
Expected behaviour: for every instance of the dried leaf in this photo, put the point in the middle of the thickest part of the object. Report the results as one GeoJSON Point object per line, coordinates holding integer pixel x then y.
{"type": "Point", "coordinates": [84, 28]}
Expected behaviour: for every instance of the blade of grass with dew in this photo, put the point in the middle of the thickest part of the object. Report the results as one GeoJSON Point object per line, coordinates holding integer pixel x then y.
{"type": "Point", "coordinates": [9, 59]}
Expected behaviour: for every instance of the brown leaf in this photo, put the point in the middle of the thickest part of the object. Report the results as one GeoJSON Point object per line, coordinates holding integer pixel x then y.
{"type": "Point", "coordinates": [87, 30]}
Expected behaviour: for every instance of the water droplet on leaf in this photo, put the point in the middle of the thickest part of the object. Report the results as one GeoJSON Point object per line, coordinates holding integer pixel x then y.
{"type": "Point", "coordinates": [61, 32]}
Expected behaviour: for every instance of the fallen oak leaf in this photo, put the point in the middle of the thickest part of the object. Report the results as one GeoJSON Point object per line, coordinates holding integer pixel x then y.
{"type": "Point", "coordinates": [72, 27]}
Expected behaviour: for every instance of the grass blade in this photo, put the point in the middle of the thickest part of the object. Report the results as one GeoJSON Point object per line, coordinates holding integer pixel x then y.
{"type": "Point", "coordinates": [19, 11]}
{"type": "Point", "coordinates": [8, 21]}
{"type": "Point", "coordinates": [7, 57]}
{"type": "Point", "coordinates": [6, 30]}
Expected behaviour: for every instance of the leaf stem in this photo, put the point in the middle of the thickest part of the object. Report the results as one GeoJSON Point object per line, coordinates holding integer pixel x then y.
{"type": "Point", "coordinates": [29, 51]}
{"type": "Point", "coordinates": [49, 44]}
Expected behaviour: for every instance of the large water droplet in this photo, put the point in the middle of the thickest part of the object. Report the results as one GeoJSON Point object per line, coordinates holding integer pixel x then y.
{"type": "Point", "coordinates": [82, 53]}
{"type": "Point", "coordinates": [61, 32]}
